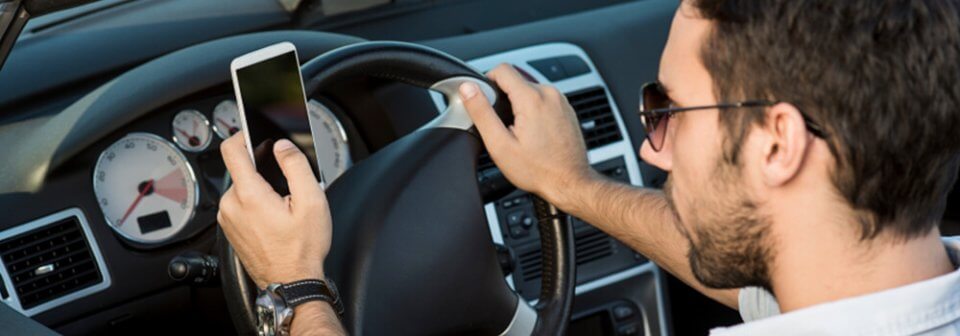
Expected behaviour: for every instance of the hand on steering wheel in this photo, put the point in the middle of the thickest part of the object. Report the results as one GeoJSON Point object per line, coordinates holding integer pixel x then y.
{"type": "Point", "coordinates": [543, 152]}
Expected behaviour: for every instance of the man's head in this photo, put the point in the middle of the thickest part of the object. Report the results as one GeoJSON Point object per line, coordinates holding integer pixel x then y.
{"type": "Point", "coordinates": [880, 77]}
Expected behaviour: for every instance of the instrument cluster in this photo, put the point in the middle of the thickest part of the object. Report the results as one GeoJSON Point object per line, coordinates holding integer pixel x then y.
{"type": "Point", "coordinates": [150, 183]}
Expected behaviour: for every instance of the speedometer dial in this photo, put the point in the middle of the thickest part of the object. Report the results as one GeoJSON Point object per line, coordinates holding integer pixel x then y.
{"type": "Point", "coordinates": [330, 141]}
{"type": "Point", "coordinates": [145, 188]}
{"type": "Point", "coordinates": [226, 119]}
{"type": "Point", "coordinates": [191, 130]}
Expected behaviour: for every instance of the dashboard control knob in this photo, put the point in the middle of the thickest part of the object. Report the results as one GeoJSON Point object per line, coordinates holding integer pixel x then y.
{"type": "Point", "coordinates": [193, 267]}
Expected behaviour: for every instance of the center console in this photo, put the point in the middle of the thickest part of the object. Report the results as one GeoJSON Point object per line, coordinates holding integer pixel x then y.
{"type": "Point", "coordinates": [619, 292]}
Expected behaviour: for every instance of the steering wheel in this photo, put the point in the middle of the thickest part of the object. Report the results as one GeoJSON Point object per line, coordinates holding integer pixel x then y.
{"type": "Point", "coordinates": [411, 252]}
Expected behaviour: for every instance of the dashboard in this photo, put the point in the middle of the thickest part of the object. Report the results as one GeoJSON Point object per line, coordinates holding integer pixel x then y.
{"type": "Point", "coordinates": [127, 176]}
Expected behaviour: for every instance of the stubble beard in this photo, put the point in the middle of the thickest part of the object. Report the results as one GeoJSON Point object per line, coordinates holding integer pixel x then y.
{"type": "Point", "coordinates": [730, 240]}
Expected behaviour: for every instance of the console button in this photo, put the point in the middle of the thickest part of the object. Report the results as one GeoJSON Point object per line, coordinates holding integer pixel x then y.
{"type": "Point", "coordinates": [518, 232]}
{"type": "Point", "coordinates": [628, 330]}
{"type": "Point", "coordinates": [550, 68]}
{"type": "Point", "coordinates": [623, 312]}
{"type": "Point", "coordinates": [573, 65]}
{"type": "Point", "coordinates": [515, 218]}
{"type": "Point", "coordinates": [528, 222]}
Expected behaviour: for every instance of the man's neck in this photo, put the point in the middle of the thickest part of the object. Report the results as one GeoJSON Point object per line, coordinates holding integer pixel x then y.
{"type": "Point", "coordinates": [814, 267]}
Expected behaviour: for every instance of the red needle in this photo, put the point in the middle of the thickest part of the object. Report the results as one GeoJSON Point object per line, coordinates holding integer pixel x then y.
{"type": "Point", "coordinates": [143, 192]}
{"type": "Point", "coordinates": [224, 122]}
{"type": "Point", "coordinates": [184, 133]}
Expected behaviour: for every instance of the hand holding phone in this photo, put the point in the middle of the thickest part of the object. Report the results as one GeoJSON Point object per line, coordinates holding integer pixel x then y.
{"type": "Point", "coordinates": [267, 82]}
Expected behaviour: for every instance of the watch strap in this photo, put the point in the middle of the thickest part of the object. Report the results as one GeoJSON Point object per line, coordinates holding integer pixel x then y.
{"type": "Point", "coordinates": [300, 292]}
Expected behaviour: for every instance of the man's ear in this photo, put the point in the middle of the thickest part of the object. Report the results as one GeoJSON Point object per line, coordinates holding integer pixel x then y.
{"type": "Point", "coordinates": [785, 144]}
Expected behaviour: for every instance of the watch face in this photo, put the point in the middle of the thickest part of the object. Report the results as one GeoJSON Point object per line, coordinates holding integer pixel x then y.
{"type": "Point", "coordinates": [265, 322]}
{"type": "Point", "coordinates": [268, 303]}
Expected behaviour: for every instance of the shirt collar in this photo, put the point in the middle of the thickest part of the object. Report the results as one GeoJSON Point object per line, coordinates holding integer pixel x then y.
{"type": "Point", "coordinates": [905, 310]}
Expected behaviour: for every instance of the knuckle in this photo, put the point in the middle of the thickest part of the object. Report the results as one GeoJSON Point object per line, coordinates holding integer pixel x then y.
{"type": "Point", "coordinates": [221, 218]}
{"type": "Point", "coordinates": [550, 92]}
{"type": "Point", "coordinates": [502, 67]}
{"type": "Point", "coordinates": [227, 205]}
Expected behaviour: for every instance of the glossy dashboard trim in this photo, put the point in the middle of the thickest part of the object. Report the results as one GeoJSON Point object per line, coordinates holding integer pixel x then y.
{"type": "Point", "coordinates": [14, 302]}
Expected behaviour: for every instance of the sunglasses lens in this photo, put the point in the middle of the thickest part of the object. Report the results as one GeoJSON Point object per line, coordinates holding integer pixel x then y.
{"type": "Point", "coordinates": [653, 98]}
{"type": "Point", "coordinates": [658, 133]}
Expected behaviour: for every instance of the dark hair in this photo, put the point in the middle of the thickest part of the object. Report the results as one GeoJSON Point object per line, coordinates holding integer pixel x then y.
{"type": "Point", "coordinates": [881, 76]}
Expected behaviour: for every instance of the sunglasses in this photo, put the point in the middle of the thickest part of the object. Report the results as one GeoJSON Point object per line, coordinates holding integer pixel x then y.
{"type": "Point", "coordinates": [656, 110]}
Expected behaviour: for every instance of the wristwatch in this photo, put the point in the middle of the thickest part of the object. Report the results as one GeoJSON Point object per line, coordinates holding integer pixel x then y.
{"type": "Point", "coordinates": [276, 303]}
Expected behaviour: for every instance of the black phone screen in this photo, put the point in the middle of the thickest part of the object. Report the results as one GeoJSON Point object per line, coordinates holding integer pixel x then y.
{"type": "Point", "coordinates": [271, 88]}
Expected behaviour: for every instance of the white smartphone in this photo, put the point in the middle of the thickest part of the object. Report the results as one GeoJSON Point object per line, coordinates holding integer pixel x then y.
{"type": "Point", "coordinates": [267, 82]}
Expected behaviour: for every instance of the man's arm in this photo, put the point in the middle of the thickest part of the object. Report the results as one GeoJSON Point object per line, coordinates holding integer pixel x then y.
{"type": "Point", "coordinates": [642, 219]}
{"type": "Point", "coordinates": [543, 152]}
{"type": "Point", "coordinates": [315, 318]}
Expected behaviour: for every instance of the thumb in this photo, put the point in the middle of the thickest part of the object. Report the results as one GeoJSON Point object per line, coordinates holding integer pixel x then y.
{"type": "Point", "coordinates": [296, 168]}
{"type": "Point", "coordinates": [491, 128]}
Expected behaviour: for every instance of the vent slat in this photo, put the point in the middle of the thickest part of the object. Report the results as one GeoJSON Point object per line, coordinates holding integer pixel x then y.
{"type": "Point", "coordinates": [590, 246]}
{"type": "Point", "coordinates": [58, 249]}
{"type": "Point", "coordinates": [62, 244]}
{"type": "Point", "coordinates": [35, 287]}
{"type": "Point", "coordinates": [37, 246]}
{"type": "Point", "coordinates": [597, 123]}
{"type": "Point", "coordinates": [27, 274]}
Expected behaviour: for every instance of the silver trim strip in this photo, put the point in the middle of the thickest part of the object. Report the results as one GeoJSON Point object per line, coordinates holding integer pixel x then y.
{"type": "Point", "coordinates": [455, 116]}
{"type": "Point", "coordinates": [14, 301]}
{"type": "Point", "coordinates": [523, 322]}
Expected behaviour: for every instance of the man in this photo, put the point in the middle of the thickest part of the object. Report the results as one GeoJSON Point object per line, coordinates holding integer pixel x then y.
{"type": "Point", "coordinates": [810, 146]}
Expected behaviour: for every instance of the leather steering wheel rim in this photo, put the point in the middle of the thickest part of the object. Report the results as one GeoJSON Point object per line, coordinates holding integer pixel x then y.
{"type": "Point", "coordinates": [431, 69]}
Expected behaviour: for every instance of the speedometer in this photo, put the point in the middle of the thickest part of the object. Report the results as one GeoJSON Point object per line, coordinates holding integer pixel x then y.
{"type": "Point", "coordinates": [330, 141]}
{"type": "Point", "coordinates": [145, 188]}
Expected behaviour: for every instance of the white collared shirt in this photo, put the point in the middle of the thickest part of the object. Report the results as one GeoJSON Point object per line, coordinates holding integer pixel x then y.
{"type": "Point", "coordinates": [929, 307]}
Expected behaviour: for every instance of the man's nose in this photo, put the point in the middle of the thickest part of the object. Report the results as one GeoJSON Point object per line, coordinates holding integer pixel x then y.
{"type": "Point", "coordinates": [662, 159]}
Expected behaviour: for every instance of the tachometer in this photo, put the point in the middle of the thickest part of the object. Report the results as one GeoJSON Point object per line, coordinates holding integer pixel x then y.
{"type": "Point", "coordinates": [191, 130]}
{"type": "Point", "coordinates": [330, 140]}
{"type": "Point", "coordinates": [226, 119]}
{"type": "Point", "coordinates": [145, 188]}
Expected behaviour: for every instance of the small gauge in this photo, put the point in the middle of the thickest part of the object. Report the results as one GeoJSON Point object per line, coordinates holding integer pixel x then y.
{"type": "Point", "coordinates": [145, 188]}
{"type": "Point", "coordinates": [226, 119]}
{"type": "Point", "coordinates": [191, 131]}
{"type": "Point", "coordinates": [330, 141]}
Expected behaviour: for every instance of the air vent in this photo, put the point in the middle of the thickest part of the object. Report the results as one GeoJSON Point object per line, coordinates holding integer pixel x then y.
{"type": "Point", "coordinates": [597, 122]}
{"type": "Point", "coordinates": [591, 245]}
{"type": "Point", "coordinates": [49, 260]}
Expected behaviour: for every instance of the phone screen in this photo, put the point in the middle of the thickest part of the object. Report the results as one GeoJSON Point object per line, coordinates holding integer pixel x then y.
{"type": "Point", "coordinates": [271, 88]}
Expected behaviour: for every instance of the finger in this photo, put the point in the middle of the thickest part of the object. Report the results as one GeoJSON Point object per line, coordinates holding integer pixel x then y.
{"type": "Point", "coordinates": [296, 168]}
{"type": "Point", "coordinates": [495, 135]}
{"type": "Point", "coordinates": [511, 82]}
{"type": "Point", "coordinates": [237, 159]}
